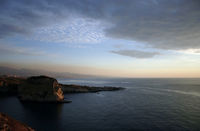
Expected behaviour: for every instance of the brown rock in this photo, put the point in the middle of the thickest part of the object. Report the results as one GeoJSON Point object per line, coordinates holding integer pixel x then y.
{"type": "Point", "coordinates": [9, 124]}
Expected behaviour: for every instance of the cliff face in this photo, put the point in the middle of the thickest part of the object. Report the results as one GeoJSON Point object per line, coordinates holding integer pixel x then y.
{"type": "Point", "coordinates": [9, 124]}
{"type": "Point", "coordinates": [39, 89]}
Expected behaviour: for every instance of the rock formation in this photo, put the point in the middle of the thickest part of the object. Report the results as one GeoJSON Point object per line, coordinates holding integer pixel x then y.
{"type": "Point", "coordinates": [9, 85]}
{"type": "Point", "coordinates": [40, 89]}
{"type": "Point", "coordinates": [86, 89]}
{"type": "Point", "coordinates": [43, 88]}
{"type": "Point", "coordinates": [9, 124]}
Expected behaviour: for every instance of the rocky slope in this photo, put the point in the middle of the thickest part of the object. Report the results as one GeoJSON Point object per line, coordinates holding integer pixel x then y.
{"type": "Point", "coordinates": [9, 124]}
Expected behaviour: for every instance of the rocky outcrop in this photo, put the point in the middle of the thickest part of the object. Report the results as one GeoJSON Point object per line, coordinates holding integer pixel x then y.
{"type": "Point", "coordinates": [43, 88]}
{"type": "Point", "coordinates": [9, 124]}
{"type": "Point", "coordinates": [86, 89]}
{"type": "Point", "coordinates": [9, 85]}
{"type": "Point", "coordinates": [40, 89]}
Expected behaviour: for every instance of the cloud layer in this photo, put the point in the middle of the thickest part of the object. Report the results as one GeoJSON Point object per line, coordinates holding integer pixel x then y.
{"type": "Point", "coordinates": [136, 53]}
{"type": "Point", "coordinates": [165, 24]}
{"type": "Point", "coordinates": [14, 50]}
{"type": "Point", "coordinates": [74, 30]}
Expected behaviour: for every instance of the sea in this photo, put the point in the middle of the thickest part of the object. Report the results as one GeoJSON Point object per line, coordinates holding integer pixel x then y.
{"type": "Point", "coordinates": [146, 104]}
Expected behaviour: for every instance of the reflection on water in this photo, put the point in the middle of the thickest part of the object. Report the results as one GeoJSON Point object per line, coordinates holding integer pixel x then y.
{"type": "Point", "coordinates": [146, 104]}
{"type": "Point", "coordinates": [34, 114]}
{"type": "Point", "coordinates": [53, 110]}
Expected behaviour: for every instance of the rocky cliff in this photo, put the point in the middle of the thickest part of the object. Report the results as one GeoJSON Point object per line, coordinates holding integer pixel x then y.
{"type": "Point", "coordinates": [40, 89]}
{"type": "Point", "coordinates": [9, 124]}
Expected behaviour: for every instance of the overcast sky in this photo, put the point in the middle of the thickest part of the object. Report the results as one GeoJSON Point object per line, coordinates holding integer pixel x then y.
{"type": "Point", "coordinates": [129, 38]}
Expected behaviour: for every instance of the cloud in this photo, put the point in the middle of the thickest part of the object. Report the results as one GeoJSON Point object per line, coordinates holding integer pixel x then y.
{"type": "Point", "coordinates": [190, 51]}
{"type": "Point", "coordinates": [75, 30]}
{"type": "Point", "coordinates": [7, 30]}
{"type": "Point", "coordinates": [136, 53]}
{"type": "Point", "coordinates": [13, 50]}
{"type": "Point", "coordinates": [164, 24]}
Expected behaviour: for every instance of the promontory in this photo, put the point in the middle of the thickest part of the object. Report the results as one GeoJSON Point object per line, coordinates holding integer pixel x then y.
{"type": "Point", "coordinates": [43, 88]}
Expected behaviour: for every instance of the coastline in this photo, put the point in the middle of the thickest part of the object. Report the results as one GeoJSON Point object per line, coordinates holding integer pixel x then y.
{"type": "Point", "coordinates": [35, 88]}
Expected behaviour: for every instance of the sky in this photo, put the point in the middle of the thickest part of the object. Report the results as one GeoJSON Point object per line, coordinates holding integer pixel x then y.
{"type": "Point", "coordinates": [120, 38]}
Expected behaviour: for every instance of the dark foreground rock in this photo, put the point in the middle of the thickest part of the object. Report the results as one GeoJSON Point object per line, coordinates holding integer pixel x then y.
{"type": "Point", "coordinates": [9, 124]}
{"type": "Point", "coordinates": [86, 89]}
{"type": "Point", "coordinates": [40, 89]}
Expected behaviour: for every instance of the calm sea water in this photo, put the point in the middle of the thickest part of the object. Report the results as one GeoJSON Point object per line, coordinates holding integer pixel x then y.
{"type": "Point", "coordinates": [145, 104]}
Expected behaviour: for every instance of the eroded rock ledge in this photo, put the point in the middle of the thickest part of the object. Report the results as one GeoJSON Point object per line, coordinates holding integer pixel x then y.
{"type": "Point", "coordinates": [9, 124]}
{"type": "Point", "coordinates": [86, 89]}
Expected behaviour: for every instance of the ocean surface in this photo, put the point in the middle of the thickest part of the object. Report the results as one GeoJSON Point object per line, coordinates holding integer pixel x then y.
{"type": "Point", "coordinates": [145, 104]}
